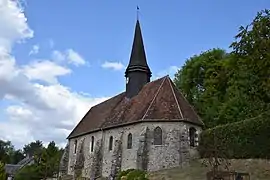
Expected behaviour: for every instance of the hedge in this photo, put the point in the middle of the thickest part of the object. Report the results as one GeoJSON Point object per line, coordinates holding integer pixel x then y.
{"type": "Point", "coordinates": [240, 140]}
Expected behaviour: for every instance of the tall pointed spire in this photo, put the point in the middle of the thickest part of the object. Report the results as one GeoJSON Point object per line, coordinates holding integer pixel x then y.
{"type": "Point", "coordinates": [138, 56]}
{"type": "Point", "coordinates": [138, 72]}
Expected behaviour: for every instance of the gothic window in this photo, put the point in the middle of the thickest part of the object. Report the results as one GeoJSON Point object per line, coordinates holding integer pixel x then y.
{"type": "Point", "coordinates": [75, 146]}
{"type": "Point", "coordinates": [92, 143]}
{"type": "Point", "coordinates": [157, 136]}
{"type": "Point", "coordinates": [192, 136]}
{"type": "Point", "coordinates": [110, 143]}
{"type": "Point", "coordinates": [129, 141]}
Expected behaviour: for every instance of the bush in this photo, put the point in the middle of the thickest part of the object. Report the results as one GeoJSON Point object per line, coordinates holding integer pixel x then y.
{"type": "Point", "coordinates": [2, 171]}
{"type": "Point", "coordinates": [240, 140]}
{"type": "Point", "coordinates": [132, 174]}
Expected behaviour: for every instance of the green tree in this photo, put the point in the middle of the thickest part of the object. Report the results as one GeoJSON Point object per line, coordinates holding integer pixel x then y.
{"type": "Point", "coordinates": [50, 159]}
{"type": "Point", "coordinates": [2, 171]}
{"type": "Point", "coordinates": [203, 80]}
{"type": "Point", "coordinates": [226, 88]}
{"type": "Point", "coordinates": [6, 150]}
{"type": "Point", "coordinates": [17, 156]}
{"type": "Point", "coordinates": [249, 85]}
{"type": "Point", "coordinates": [31, 172]}
{"type": "Point", "coordinates": [33, 148]}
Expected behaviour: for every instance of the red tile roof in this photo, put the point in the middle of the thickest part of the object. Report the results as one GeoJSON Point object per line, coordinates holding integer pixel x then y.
{"type": "Point", "coordinates": [159, 100]}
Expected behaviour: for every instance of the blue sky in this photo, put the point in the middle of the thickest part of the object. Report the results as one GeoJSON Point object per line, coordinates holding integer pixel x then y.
{"type": "Point", "coordinates": [97, 32]}
{"type": "Point", "coordinates": [103, 31]}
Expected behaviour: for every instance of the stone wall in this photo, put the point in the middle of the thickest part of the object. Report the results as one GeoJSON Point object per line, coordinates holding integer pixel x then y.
{"type": "Point", "coordinates": [63, 167]}
{"type": "Point", "coordinates": [144, 154]}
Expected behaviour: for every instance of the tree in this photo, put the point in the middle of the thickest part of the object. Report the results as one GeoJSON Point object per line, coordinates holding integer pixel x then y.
{"type": "Point", "coordinates": [203, 80]}
{"type": "Point", "coordinates": [2, 171]}
{"type": "Point", "coordinates": [249, 86]}
{"type": "Point", "coordinates": [17, 156]}
{"type": "Point", "coordinates": [229, 87]}
{"type": "Point", "coordinates": [6, 150]}
{"type": "Point", "coordinates": [50, 160]}
{"type": "Point", "coordinates": [33, 148]}
{"type": "Point", "coordinates": [31, 172]}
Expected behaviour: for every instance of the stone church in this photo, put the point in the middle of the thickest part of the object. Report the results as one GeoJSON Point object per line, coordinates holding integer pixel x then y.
{"type": "Point", "coordinates": [150, 126]}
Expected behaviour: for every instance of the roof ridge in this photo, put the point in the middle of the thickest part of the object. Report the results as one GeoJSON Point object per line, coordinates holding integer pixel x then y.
{"type": "Point", "coordinates": [174, 95]}
{"type": "Point", "coordinates": [154, 97]}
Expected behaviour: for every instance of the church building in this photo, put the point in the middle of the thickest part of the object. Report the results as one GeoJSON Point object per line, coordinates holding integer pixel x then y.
{"type": "Point", "coordinates": [150, 126]}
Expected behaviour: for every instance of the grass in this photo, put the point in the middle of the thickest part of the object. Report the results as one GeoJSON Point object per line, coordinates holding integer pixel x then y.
{"type": "Point", "coordinates": [258, 170]}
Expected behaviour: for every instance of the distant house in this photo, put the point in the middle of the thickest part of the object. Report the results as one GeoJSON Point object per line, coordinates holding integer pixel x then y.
{"type": "Point", "coordinates": [12, 169]}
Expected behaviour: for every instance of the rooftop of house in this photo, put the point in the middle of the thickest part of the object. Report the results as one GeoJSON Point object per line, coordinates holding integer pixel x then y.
{"type": "Point", "coordinates": [159, 100]}
{"type": "Point", "coordinates": [11, 169]}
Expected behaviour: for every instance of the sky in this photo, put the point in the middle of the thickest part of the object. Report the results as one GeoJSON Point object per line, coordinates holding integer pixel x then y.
{"type": "Point", "coordinates": [60, 58]}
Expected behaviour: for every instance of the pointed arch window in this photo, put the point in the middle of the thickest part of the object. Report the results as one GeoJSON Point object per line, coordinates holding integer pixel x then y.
{"type": "Point", "coordinates": [192, 136]}
{"type": "Point", "coordinates": [75, 146]}
{"type": "Point", "coordinates": [92, 144]}
{"type": "Point", "coordinates": [129, 141]}
{"type": "Point", "coordinates": [110, 143]}
{"type": "Point", "coordinates": [157, 136]}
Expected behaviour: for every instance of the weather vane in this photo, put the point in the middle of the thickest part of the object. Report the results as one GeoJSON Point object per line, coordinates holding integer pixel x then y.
{"type": "Point", "coordinates": [138, 9]}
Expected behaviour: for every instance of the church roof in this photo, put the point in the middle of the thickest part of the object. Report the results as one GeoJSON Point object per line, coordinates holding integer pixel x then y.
{"type": "Point", "coordinates": [158, 100]}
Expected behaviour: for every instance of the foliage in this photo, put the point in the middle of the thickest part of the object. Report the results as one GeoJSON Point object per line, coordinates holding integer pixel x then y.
{"type": "Point", "coordinates": [2, 171]}
{"type": "Point", "coordinates": [203, 80]}
{"type": "Point", "coordinates": [229, 87]}
{"type": "Point", "coordinates": [33, 148]}
{"type": "Point", "coordinates": [132, 174]}
{"type": "Point", "coordinates": [31, 172]}
{"type": "Point", "coordinates": [243, 139]}
{"type": "Point", "coordinates": [6, 149]}
{"type": "Point", "coordinates": [46, 161]}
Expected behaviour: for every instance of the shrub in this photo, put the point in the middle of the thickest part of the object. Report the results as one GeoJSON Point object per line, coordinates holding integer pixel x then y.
{"type": "Point", "coordinates": [132, 174]}
{"type": "Point", "coordinates": [2, 171]}
{"type": "Point", "coordinates": [244, 139]}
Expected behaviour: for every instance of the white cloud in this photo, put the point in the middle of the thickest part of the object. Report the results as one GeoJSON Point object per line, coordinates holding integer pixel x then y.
{"type": "Point", "coordinates": [117, 66]}
{"type": "Point", "coordinates": [14, 27]}
{"type": "Point", "coordinates": [45, 70]}
{"type": "Point", "coordinates": [34, 50]}
{"type": "Point", "coordinates": [58, 56]}
{"type": "Point", "coordinates": [70, 56]}
{"type": "Point", "coordinates": [44, 112]}
{"type": "Point", "coordinates": [74, 58]}
{"type": "Point", "coordinates": [168, 71]}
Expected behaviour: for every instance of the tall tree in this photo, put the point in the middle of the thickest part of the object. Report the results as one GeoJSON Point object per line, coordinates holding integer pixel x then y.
{"type": "Point", "coordinates": [203, 80]}
{"type": "Point", "coordinates": [2, 171]}
{"type": "Point", "coordinates": [17, 156]}
{"type": "Point", "coordinates": [6, 150]}
{"type": "Point", "coordinates": [32, 148]}
{"type": "Point", "coordinates": [249, 86]}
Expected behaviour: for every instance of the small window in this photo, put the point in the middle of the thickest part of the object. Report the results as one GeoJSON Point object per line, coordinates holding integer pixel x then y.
{"type": "Point", "coordinates": [110, 143]}
{"type": "Point", "coordinates": [92, 143]}
{"type": "Point", "coordinates": [129, 141]}
{"type": "Point", "coordinates": [157, 136]}
{"type": "Point", "coordinates": [75, 146]}
{"type": "Point", "coordinates": [192, 136]}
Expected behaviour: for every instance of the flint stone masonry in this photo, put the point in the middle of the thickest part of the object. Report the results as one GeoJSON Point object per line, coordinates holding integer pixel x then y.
{"type": "Point", "coordinates": [174, 151]}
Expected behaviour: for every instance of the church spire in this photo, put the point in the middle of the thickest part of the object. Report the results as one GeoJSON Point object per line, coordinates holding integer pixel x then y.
{"type": "Point", "coordinates": [138, 72]}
